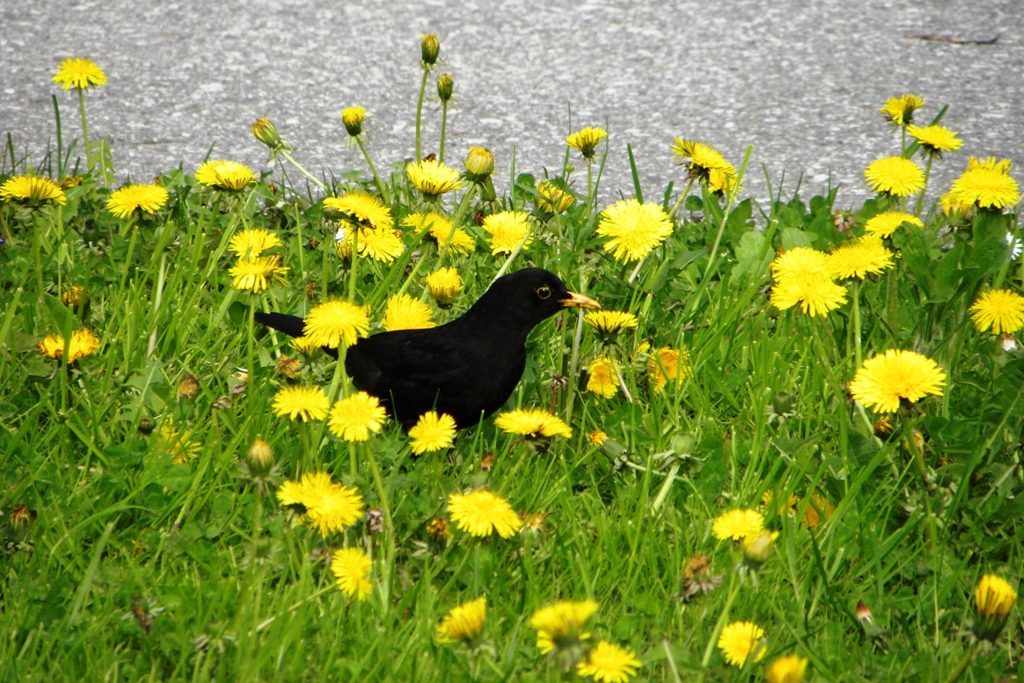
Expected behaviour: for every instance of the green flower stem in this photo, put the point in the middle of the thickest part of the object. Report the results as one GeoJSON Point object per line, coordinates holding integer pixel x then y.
{"type": "Point", "coordinates": [858, 352]}
{"type": "Point", "coordinates": [892, 303]}
{"type": "Point", "coordinates": [725, 215]}
{"type": "Point", "coordinates": [460, 214]}
{"type": "Point", "coordinates": [355, 262]}
{"type": "Point", "coordinates": [376, 176]}
{"type": "Point", "coordinates": [303, 171]}
{"type": "Point", "coordinates": [337, 380]}
{"type": "Point", "coordinates": [590, 186]}
{"type": "Point", "coordinates": [85, 130]}
{"type": "Point", "coordinates": [734, 589]}
{"type": "Point", "coordinates": [927, 174]}
{"type": "Point", "coordinates": [513, 255]}
{"type": "Point", "coordinates": [964, 662]}
{"type": "Point", "coordinates": [665, 488]}
{"type": "Point", "coordinates": [353, 460]}
{"type": "Point", "coordinates": [419, 112]}
{"type": "Point", "coordinates": [444, 128]}
{"type": "Point", "coordinates": [389, 527]}
{"type": "Point", "coordinates": [574, 364]}
{"type": "Point", "coordinates": [682, 198]}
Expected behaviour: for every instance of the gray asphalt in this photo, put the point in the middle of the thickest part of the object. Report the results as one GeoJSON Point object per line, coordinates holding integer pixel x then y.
{"type": "Point", "coordinates": [800, 80]}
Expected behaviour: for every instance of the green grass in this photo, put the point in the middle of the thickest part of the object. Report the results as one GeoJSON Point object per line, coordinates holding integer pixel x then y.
{"type": "Point", "coordinates": [136, 568]}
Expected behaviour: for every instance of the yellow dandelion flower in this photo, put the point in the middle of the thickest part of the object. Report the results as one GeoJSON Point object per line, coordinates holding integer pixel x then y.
{"type": "Point", "coordinates": [586, 140]}
{"type": "Point", "coordinates": [79, 72]}
{"type": "Point", "coordinates": [443, 284]}
{"type": "Point", "coordinates": [380, 245]}
{"type": "Point", "coordinates": [355, 417]}
{"type": "Point", "coordinates": [607, 663]}
{"type": "Point", "coordinates": [432, 178]}
{"type": "Point", "coordinates": [634, 228]}
{"type": "Point", "coordinates": [552, 198]}
{"type": "Point", "coordinates": [147, 199]}
{"type": "Point", "coordinates": [737, 524]}
{"type": "Point", "coordinates": [407, 313]}
{"type": "Point", "coordinates": [432, 432]}
{"type": "Point", "coordinates": [532, 422]}
{"type": "Point", "coordinates": [883, 381]}
{"type": "Point", "coordinates": [440, 228]}
{"type": "Point", "coordinates": [562, 624]}
{"type": "Point", "coordinates": [610, 322]}
{"type": "Point", "coordinates": [333, 508]}
{"type": "Point", "coordinates": [332, 322]}
{"type": "Point", "coordinates": [799, 263]}
{"type": "Point", "coordinates": [254, 274]}
{"type": "Point", "coordinates": [1003, 166]}
{"type": "Point", "coordinates": [706, 164]}
{"type": "Point", "coordinates": [353, 118]}
{"type": "Point", "coordinates": [1000, 310]}
{"type": "Point", "coordinates": [482, 513]}
{"type": "Point", "coordinates": [602, 378]}
{"type": "Point", "coordinates": [508, 229]}
{"type": "Point", "coordinates": [985, 187]}
{"type": "Point", "coordinates": [83, 343]}
{"type": "Point", "coordinates": [860, 257]}
{"type": "Point", "coordinates": [253, 242]}
{"type": "Point", "coordinates": [885, 223]}
{"type": "Point", "coordinates": [178, 444]}
{"type": "Point", "coordinates": [668, 364]}
{"type": "Point", "coordinates": [307, 403]}
{"type": "Point", "coordinates": [32, 190]}
{"type": "Point", "coordinates": [935, 140]}
{"type": "Point", "coordinates": [362, 208]}
{"type": "Point", "coordinates": [741, 639]}
{"type": "Point", "coordinates": [816, 295]}
{"type": "Point", "coordinates": [225, 175]}
{"type": "Point", "coordinates": [303, 345]}
{"type": "Point", "coordinates": [597, 437]}
{"type": "Point", "coordinates": [895, 176]}
{"type": "Point", "coordinates": [900, 110]}
{"type": "Point", "coordinates": [464, 623]}
{"type": "Point", "coordinates": [994, 598]}
{"type": "Point", "coordinates": [351, 568]}
{"type": "Point", "coordinates": [788, 669]}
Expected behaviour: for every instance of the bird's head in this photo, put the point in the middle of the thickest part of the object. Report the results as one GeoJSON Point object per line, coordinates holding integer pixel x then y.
{"type": "Point", "coordinates": [531, 295]}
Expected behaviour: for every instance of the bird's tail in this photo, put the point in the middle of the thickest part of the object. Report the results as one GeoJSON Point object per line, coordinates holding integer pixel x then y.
{"type": "Point", "coordinates": [289, 324]}
{"type": "Point", "coordinates": [292, 325]}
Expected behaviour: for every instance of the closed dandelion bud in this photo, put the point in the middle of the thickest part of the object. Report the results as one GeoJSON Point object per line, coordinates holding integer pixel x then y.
{"type": "Point", "coordinates": [375, 520]}
{"type": "Point", "coordinates": [146, 426]}
{"type": "Point", "coordinates": [782, 402]}
{"type": "Point", "coordinates": [610, 447]}
{"type": "Point", "coordinates": [260, 455]}
{"type": "Point", "coordinates": [757, 548]}
{"type": "Point", "coordinates": [76, 298]}
{"type": "Point", "coordinates": [430, 48]}
{"type": "Point", "coordinates": [445, 86]}
{"type": "Point", "coordinates": [188, 387]}
{"type": "Point", "coordinates": [683, 444]}
{"type": "Point", "coordinates": [872, 631]}
{"type": "Point", "coordinates": [266, 133]}
{"type": "Point", "coordinates": [993, 600]}
{"type": "Point", "coordinates": [479, 164]}
{"type": "Point", "coordinates": [439, 533]}
{"type": "Point", "coordinates": [444, 284]}
{"type": "Point", "coordinates": [70, 181]}
{"type": "Point", "coordinates": [883, 427]}
{"type": "Point", "coordinates": [353, 120]}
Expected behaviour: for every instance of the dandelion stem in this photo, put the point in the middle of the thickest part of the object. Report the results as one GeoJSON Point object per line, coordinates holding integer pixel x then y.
{"type": "Point", "coordinates": [355, 262]}
{"type": "Point", "coordinates": [444, 128]}
{"type": "Point", "coordinates": [85, 129]}
{"type": "Point", "coordinates": [682, 198]}
{"type": "Point", "coordinates": [575, 362]}
{"type": "Point", "coordinates": [303, 171]}
{"type": "Point", "coordinates": [964, 662]}
{"type": "Point", "coordinates": [419, 113]}
{"type": "Point", "coordinates": [460, 213]}
{"type": "Point", "coordinates": [725, 214]}
{"type": "Point", "coordinates": [376, 176]}
{"type": "Point", "coordinates": [722, 619]}
{"type": "Point", "coordinates": [920, 197]}
{"type": "Point", "coordinates": [858, 353]}
{"type": "Point", "coordinates": [590, 186]}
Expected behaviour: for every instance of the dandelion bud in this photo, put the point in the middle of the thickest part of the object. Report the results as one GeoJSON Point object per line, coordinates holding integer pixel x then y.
{"type": "Point", "coordinates": [438, 534]}
{"type": "Point", "coordinates": [444, 284]}
{"type": "Point", "coordinates": [266, 133]}
{"type": "Point", "coordinates": [70, 181]}
{"type": "Point", "coordinates": [993, 600]}
{"type": "Point", "coordinates": [77, 298]}
{"type": "Point", "coordinates": [872, 631]}
{"type": "Point", "coordinates": [683, 444]}
{"type": "Point", "coordinates": [375, 520]}
{"type": "Point", "coordinates": [552, 198]}
{"type": "Point", "coordinates": [445, 85]}
{"type": "Point", "coordinates": [353, 120]}
{"type": "Point", "coordinates": [479, 164]}
{"type": "Point", "coordinates": [188, 387]}
{"type": "Point", "coordinates": [757, 548]}
{"type": "Point", "coordinates": [146, 426]}
{"type": "Point", "coordinates": [260, 455]}
{"type": "Point", "coordinates": [21, 516]}
{"type": "Point", "coordinates": [430, 48]}
{"type": "Point", "coordinates": [883, 427]}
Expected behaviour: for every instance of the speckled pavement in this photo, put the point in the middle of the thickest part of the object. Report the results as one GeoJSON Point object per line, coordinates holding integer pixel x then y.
{"type": "Point", "coordinates": [800, 80]}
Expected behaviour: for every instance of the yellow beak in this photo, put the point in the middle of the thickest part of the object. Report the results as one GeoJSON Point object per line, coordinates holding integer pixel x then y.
{"type": "Point", "coordinates": [579, 301]}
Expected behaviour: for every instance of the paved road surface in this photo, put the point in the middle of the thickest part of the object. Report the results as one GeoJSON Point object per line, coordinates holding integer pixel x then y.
{"type": "Point", "coordinates": [800, 80]}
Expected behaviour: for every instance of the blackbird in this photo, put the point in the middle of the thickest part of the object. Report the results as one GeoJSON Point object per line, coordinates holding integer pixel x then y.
{"type": "Point", "coordinates": [465, 368]}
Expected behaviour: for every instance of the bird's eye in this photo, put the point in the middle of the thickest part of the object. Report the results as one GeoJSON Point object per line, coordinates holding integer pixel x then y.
{"type": "Point", "coordinates": [544, 292]}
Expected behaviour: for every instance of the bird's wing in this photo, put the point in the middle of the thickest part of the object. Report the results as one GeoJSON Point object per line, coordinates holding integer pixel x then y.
{"type": "Point", "coordinates": [405, 359]}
